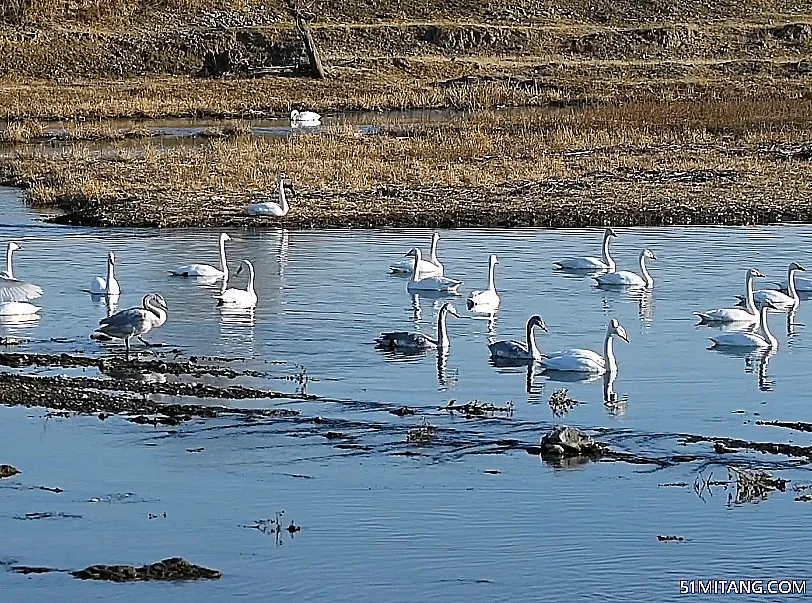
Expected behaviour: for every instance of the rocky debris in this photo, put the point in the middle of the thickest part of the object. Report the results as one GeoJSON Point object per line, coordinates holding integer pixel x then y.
{"type": "Point", "coordinates": [670, 538]}
{"type": "Point", "coordinates": [174, 569]}
{"type": "Point", "coordinates": [564, 441]}
{"type": "Point", "coordinates": [561, 403]}
{"type": "Point", "coordinates": [475, 408]}
{"type": "Point", "coordinates": [753, 485]}
{"type": "Point", "coordinates": [403, 411]}
{"type": "Point", "coordinates": [422, 434]}
{"type": "Point", "coordinates": [8, 471]}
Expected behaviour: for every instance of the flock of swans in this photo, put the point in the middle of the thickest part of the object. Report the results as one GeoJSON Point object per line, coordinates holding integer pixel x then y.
{"type": "Point", "coordinates": [746, 325]}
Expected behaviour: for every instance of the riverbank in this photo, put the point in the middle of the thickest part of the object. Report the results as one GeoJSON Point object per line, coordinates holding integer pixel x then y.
{"type": "Point", "coordinates": [642, 164]}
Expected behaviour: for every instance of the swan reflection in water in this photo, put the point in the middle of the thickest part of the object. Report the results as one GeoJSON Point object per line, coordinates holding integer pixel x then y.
{"type": "Point", "coordinates": [282, 252]}
{"type": "Point", "coordinates": [447, 379]}
{"type": "Point", "coordinates": [755, 361]}
{"type": "Point", "coordinates": [110, 302]}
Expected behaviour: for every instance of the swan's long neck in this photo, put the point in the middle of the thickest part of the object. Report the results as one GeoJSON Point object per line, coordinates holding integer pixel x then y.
{"type": "Point", "coordinates": [110, 273]}
{"type": "Point", "coordinates": [751, 303]}
{"type": "Point", "coordinates": [531, 342]}
{"type": "Point", "coordinates": [155, 309]}
{"type": "Point", "coordinates": [283, 198]}
{"type": "Point", "coordinates": [765, 330]}
{"type": "Point", "coordinates": [442, 332]}
{"type": "Point", "coordinates": [793, 293]}
{"type": "Point", "coordinates": [609, 353]}
{"type": "Point", "coordinates": [250, 278]}
{"type": "Point", "coordinates": [415, 266]}
{"type": "Point", "coordinates": [433, 257]}
{"type": "Point", "coordinates": [223, 265]}
{"type": "Point", "coordinates": [9, 269]}
{"type": "Point", "coordinates": [607, 259]}
{"type": "Point", "coordinates": [646, 275]}
{"type": "Point", "coordinates": [491, 284]}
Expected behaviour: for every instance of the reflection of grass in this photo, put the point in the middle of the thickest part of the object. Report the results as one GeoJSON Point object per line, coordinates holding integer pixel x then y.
{"type": "Point", "coordinates": [611, 157]}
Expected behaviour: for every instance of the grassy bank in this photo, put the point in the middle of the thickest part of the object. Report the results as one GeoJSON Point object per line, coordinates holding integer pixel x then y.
{"type": "Point", "coordinates": [648, 164]}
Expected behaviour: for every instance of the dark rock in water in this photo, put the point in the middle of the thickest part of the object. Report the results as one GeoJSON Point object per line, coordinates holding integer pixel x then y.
{"type": "Point", "coordinates": [175, 568]}
{"type": "Point", "coordinates": [403, 411]}
{"type": "Point", "coordinates": [8, 471]}
{"type": "Point", "coordinates": [568, 441]}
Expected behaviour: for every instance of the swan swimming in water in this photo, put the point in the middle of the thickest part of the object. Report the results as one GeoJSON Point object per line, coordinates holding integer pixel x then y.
{"type": "Point", "coordinates": [269, 208]}
{"type": "Point", "coordinates": [205, 270]}
{"type": "Point", "coordinates": [404, 341]}
{"type": "Point", "coordinates": [9, 271]}
{"type": "Point", "coordinates": [430, 267]}
{"type": "Point", "coordinates": [624, 278]}
{"type": "Point", "coordinates": [739, 315]}
{"type": "Point", "coordinates": [106, 286]}
{"type": "Point", "coordinates": [586, 361]}
{"type": "Point", "coordinates": [488, 298]}
{"type": "Point", "coordinates": [304, 118]}
{"type": "Point", "coordinates": [780, 300]}
{"type": "Point", "coordinates": [419, 283]}
{"type": "Point", "coordinates": [239, 298]}
{"type": "Point", "coordinates": [135, 322]}
{"type": "Point", "coordinates": [590, 263]}
{"type": "Point", "coordinates": [761, 339]}
{"type": "Point", "coordinates": [516, 351]}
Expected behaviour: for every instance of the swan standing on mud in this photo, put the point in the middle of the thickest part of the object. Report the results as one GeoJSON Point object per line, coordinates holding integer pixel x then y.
{"type": "Point", "coordinates": [761, 339]}
{"type": "Point", "coordinates": [418, 282]}
{"type": "Point", "coordinates": [735, 315]}
{"type": "Point", "coordinates": [106, 286]}
{"type": "Point", "coordinates": [135, 322]}
{"type": "Point", "coordinates": [9, 271]}
{"type": "Point", "coordinates": [404, 341]}
{"type": "Point", "coordinates": [240, 298]}
{"type": "Point", "coordinates": [624, 278]}
{"type": "Point", "coordinates": [489, 298]}
{"type": "Point", "coordinates": [430, 267]}
{"type": "Point", "coordinates": [205, 270]}
{"type": "Point", "coordinates": [516, 351]}
{"type": "Point", "coordinates": [304, 118]}
{"type": "Point", "coordinates": [606, 262]}
{"type": "Point", "coordinates": [269, 208]}
{"type": "Point", "coordinates": [586, 361]}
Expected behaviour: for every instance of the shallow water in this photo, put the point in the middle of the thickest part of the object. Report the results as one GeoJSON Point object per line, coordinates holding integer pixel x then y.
{"type": "Point", "coordinates": [377, 524]}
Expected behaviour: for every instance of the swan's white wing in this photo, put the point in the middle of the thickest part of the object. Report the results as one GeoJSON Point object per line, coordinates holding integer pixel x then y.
{"type": "Point", "coordinates": [264, 209]}
{"type": "Point", "coordinates": [739, 340]}
{"type": "Point", "coordinates": [19, 291]}
{"type": "Point", "coordinates": [18, 309]}
{"type": "Point", "coordinates": [620, 278]}
{"type": "Point", "coordinates": [509, 350]}
{"type": "Point", "coordinates": [723, 315]}
{"type": "Point", "coordinates": [775, 297]}
{"type": "Point", "coordinates": [583, 263]}
{"type": "Point", "coordinates": [197, 270]}
{"type": "Point", "coordinates": [425, 268]}
{"type": "Point", "coordinates": [578, 360]}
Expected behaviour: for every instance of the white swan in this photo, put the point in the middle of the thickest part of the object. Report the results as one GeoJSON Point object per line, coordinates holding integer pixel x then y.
{"type": "Point", "coordinates": [13, 308]}
{"type": "Point", "coordinates": [417, 342]}
{"type": "Point", "coordinates": [516, 351]}
{"type": "Point", "coordinates": [106, 286]}
{"type": "Point", "coordinates": [269, 208]}
{"type": "Point", "coordinates": [430, 267]}
{"type": "Point", "coordinates": [740, 315]}
{"type": "Point", "coordinates": [205, 270]}
{"type": "Point", "coordinates": [488, 298]}
{"type": "Point", "coordinates": [761, 339]}
{"type": "Point", "coordinates": [418, 283]}
{"type": "Point", "coordinates": [624, 278]}
{"type": "Point", "coordinates": [135, 322]}
{"type": "Point", "coordinates": [304, 118]}
{"type": "Point", "coordinates": [13, 290]}
{"type": "Point", "coordinates": [781, 301]}
{"type": "Point", "coordinates": [9, 271]}
{"type": "Point", "coordinates": [590, 263]}
{"type": "Point", "coordinates": [239, 298]}
{"type": "Point", "coordinates": [586, 361]}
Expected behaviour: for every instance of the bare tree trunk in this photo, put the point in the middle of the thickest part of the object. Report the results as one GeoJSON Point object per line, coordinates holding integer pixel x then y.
{"type": "Point", "coordinates": [316, 68]}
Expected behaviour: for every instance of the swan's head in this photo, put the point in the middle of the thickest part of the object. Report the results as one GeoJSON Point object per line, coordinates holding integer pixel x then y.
{"type": "Point", "coordinates": [609, 233]}
{"type": "Point", "coordinates": [224, 237]}
{"type": "Point", "coordinates": [435, 237]}
{"type": "Point", "coordinates": [615, 328]}
{"type": "Point", "coordinates": [450, 309]}
{"type": "Point", "coordinates": [753, 273]}
{"type": "Point", "coordinates": [12, 246]}
{"type": "Point", "coordinates": [294, 114]}
{"type": "Point", "coordinates": [159, 300]}
{"type": "Point", "coordinates": [111, 258]}
{"type": "Point", "coordinates": [494, 260]}
{"type": "Point", "coordinates": [648, 254]}
{"type": "Point", "coordinates": [414, 252]}
{"type": "Point", "coordinates": [536, 321]}
{"type": "Point", "coordinates": [796, 266]}
{"type": "Point", "coordinates": [283, 176]}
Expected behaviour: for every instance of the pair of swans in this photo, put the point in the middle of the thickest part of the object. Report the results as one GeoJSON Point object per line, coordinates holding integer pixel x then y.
{"type": "Point", "coordinates": [430, 267]}
{"type": "Point", "coordinates": [419, 283]}
{"type": "Point", "coordinates": [408, 342]}
{"type": "Point", "coordinates": [135, 322]}
{"type": "Point", "coordinates": [575, 360]}
{"type": "Point", "coordinates": [304, 118]}
{"type": "Point", "coordinates": [269, 208]}
{"type": "Point", "coordinates": [15, 294]}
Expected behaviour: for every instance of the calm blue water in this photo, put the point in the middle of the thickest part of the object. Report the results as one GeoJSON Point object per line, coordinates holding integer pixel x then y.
{"type": "Point", "coordinates": [377, 524]}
